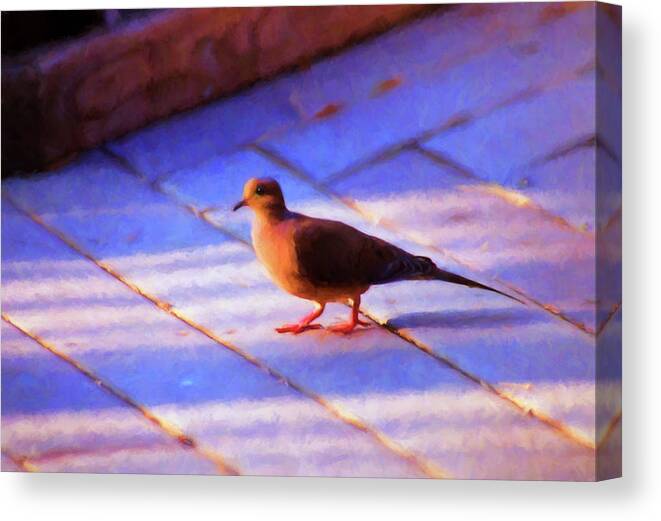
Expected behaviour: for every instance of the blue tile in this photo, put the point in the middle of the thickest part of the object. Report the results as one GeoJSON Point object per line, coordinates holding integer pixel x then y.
{"type": "Point", "coordinates": [565, 186]}
{"type": "Point", "coordinates": [217, 184]}
{"type": "Point", "coordinates": [36, 381]}
{"type": "Point", "coordinates": [43, 394]}
{"type": "Point", "coordinates": [158, 360]}
{"type": "Point", "coordinates": [493, 236]}
{"type": "Point", "coordinates": [193, 137]}
{"type": "Point", "coordinates": [497, 147]}
{"type": "Point", "coordinates": [219, 284]}
{"type": "Point", "coordinates": [328, 146]}
{"type": "Point", "coordinates": [410, 52]}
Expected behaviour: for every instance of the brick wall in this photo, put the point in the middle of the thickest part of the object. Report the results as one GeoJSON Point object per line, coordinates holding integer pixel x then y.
{"type": "Point", "coordinates": [73, 96]}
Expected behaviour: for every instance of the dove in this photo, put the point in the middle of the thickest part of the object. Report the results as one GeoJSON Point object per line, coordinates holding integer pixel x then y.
{"type": "Point", "coordinates": [327, 261]}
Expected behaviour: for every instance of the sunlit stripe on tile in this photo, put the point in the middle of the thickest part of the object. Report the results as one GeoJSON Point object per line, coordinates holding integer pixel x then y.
{"type": "Point", "coordinates": [557, 425]}
{"type": "Point", "coordinates": [608, 432]}
{"type": "Point", "coordinates": [157, 186]}
{"type": "Point", "coordinates": [426, 467]}
{"type": "Point", "coordinates": [392, 227]}
{"type": "Point", "coordinates": [171, 430]}
{"type": "Point", "coordinates": [21, 462]}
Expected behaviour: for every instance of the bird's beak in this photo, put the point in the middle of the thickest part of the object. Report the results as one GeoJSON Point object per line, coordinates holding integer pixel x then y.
{"type": "Point", "coordinates": [238, 205]}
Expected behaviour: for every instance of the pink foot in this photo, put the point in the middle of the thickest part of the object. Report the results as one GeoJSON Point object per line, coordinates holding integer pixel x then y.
{"type": "Point", "coordinates": [296, 328]}
{"type": "Point", "coordinates": [347, 327]}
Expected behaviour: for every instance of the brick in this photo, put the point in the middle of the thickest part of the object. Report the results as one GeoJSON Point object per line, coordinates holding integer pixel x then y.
{"type": "Point", "coordinates": [148, 52]}
{"type": "Point", "coordinates": [122, 77]}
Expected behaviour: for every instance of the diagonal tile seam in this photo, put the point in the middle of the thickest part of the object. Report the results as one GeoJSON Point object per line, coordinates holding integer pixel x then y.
{"type": "Point", "coordinates": [610, 429]}
{"type": "Point", "coordinates": [549, 308]}
{"type": "Point", "coordinates": [157, 186]}
{"type": "Point", "coordinates": [593, 140]}
{"type": "Point", "coordinates": [397, 78]}
{"type": "Point", "coordinates": [415, 460]}
{"type": "Point", "coordinates": [608, 318]}
{"type": "Point", "coordinates": [22, 462]}
{"type": "Point", "coordinates": [613, 81]}
{"type": "Point", "coordinates": [165, 426]}
{"type": "Point", "coordinates": [540, 415]}
{"type": "Point", "coordinates": [520, 406]}
{"type": "Point", "coordinates": [424, 71]}
{"type": "Point", "coordinates": [55, 454]}
{"type": "Point", "coordinates": [323, 188]}
{"type": "Point", "coordinates": [508, 195]}
{"type": "Point", "coordinates": [613, 219]}
{"type": "Point", "coordinates": [465, 117]}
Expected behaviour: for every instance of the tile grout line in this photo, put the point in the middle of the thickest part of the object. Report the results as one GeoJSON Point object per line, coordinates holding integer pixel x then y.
{"type": "Point", "coordinates": [509, 193]}
{"type": "Point", "coordinates": [328, 192]}
{"type": "Point", "coordinates": [165, 426]}
{"type": "Point", "coordinates": [520, 406]}
{"type": "Point", "coordinates": [464, 117]}
{"type": "Point", "coordinates": [563, 150]}
{"type": "Point", "coordinates": [158, 187]}
{"type": "Point", "coordinates": [544, 418]}
{"type": "Point", "coordinates": [608, 318]}
{"type": "Point", "coordinates": [557, 425]}
{"type": "Point", "coordinates": [21, 462]}
{"type": "Point", "coordinates": [550, 309]}
{"type": "Point", "coordinates": [55, 454]}
{"type": "Point", "coordinates": [612, 425]}
{"type": "Point", "coordinates": [423, 73]}
{"type": "Point", "coordinates": [427, 468]}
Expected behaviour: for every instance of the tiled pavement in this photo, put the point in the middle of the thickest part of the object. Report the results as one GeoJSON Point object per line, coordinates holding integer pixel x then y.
{"type": "Point", "coordinates": [138, 326]}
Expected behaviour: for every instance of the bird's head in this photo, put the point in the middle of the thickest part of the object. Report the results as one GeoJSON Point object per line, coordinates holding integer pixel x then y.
{"type": "Point", "coordinates": [262, 195]}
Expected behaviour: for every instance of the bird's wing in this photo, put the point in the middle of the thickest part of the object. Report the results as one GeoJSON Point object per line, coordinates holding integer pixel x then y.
{"type": "Point", "coordinates": [331, 253]}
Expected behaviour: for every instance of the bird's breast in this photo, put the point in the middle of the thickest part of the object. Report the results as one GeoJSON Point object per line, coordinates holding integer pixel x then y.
{"type": "Point", "coordinates": [275, 248]}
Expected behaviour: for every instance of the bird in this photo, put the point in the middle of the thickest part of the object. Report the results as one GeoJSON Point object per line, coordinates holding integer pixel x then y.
{"type": "Point", "coordinates": [325, 261]}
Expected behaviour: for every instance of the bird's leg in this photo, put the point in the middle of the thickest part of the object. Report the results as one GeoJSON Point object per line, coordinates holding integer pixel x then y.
{"type": "Point", "coordinates": [354, 320]}
{"type": "Point", "coordinates": [305, 323]}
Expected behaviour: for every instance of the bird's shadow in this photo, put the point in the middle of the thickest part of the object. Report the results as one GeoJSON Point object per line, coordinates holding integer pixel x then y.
{"type": "Point", "coordinates": [473, 319]}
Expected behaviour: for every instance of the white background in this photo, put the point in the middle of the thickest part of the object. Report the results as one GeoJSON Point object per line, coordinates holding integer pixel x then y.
{"type": "Point", "coordinates": [636, 496]}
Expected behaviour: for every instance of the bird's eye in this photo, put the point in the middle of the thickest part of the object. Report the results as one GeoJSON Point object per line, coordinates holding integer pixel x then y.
{"type": "Point", "coordinates": [259, 190]}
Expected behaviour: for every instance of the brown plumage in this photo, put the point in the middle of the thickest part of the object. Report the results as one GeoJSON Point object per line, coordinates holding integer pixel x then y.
{"type": "Point", "coordinates": [328, 261]}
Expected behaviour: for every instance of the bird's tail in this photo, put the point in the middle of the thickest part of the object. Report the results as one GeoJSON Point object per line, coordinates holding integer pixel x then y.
{"type": "Point", "coordinates": [437, 273]}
